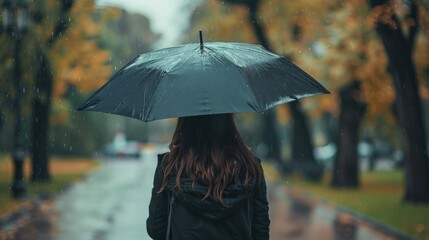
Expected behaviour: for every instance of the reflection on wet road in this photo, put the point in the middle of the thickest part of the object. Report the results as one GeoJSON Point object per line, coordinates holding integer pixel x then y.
{"type": "Point", "coordinates": [296, 216]}
{"type": "Point", "coordinates": [111, 204]}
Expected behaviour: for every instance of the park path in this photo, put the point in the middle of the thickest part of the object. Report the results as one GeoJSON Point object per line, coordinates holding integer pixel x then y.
{"type": "Point", "coordinates": [112, 204]}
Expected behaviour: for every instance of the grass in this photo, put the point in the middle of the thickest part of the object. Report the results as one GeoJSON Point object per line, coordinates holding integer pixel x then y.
{"type": "Point", "coordinates": [380, 197]}
{"type": "Point", "coordinates": [64, 172]}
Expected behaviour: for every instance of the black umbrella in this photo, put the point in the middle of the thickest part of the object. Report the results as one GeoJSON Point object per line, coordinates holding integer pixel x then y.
{"type": "Point", "coordinates": [202, 79]}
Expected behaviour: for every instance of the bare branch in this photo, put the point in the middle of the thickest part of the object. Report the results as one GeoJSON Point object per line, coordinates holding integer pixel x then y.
{"type": "Point", "coordinates": [387, 33]}
{"type": "Point", "coordinates": [63, 22]}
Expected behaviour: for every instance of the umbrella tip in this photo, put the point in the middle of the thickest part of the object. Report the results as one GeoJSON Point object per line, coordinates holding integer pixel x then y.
{"type": "Point", "coordinates": [201, 40]}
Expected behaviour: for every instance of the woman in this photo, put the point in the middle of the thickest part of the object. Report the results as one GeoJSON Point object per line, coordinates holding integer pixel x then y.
{"type": "Point", "coordinates": [210, 186]}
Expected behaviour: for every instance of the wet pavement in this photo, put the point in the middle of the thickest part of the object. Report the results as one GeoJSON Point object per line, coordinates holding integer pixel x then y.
{"type": "Point", "coordinates": [112, 204]}
{"type": "Point", "coordinates": [297, 216]}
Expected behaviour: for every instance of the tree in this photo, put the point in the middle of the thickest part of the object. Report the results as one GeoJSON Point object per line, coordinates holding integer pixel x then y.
{"type": "Point", "coordinates": [399, 47]}
{"type": "Point", "coordinates": [42, 99]}
{"type": "Point", "coordinates": [346, 165]}
{"type": "Point", "coordinates": [338, 48]}
{"type": "Point", "coordinates": [82, 64]}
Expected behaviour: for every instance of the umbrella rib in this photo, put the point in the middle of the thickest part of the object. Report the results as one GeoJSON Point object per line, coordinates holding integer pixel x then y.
{"type": "Point", "coordinates": [237, 67]}
{"type": "Point", "coordinates": [307, 77]}
{"type": "Point", "coordinates": [178, 63]}
{"type": "Point", "coordinates": [144, 105]}
{"type": "Point", "coordinates": [242, 71]}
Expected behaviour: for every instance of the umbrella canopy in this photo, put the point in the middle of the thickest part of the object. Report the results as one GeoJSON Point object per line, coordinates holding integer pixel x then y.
{"type": "Point", "coordinates": [202, 79]}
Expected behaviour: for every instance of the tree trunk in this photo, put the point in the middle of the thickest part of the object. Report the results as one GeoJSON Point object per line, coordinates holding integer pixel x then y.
{"type": "Point", "coordinates": [346, 165]}
{"type": "Point", "coordinates": [42, 97]}
{"type": "Point", "coordinates": [399, 49]}
{"type": "Point", "coordinates": [271, 137]}
{"type": "Point", "coordinates": [2, 122]}
{"type": "Point", "coordinates": [41, 108]}
{"type": "Point", "coordinates": [413, 134]}
{"type": "Point", "coordinates": [302, 146]}
{"type": "Point", "coordinates": [303, 158]}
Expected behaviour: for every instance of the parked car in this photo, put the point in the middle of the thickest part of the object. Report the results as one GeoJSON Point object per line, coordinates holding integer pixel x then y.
{"type": "Point", "coordinates": [126, 149]}
{"type": "Point", "coordinates": [325, 153]}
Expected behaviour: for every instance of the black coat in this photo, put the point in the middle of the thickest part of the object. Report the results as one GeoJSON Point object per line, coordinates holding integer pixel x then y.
{"type": "Point", "coordinates": [193, 218]}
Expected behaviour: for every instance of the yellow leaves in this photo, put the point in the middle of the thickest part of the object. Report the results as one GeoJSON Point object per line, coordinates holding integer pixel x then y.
{"type": "Point", "coordinates": [376, 83]}
{"type": "Point", "coordinates": [110, 13]}
{"type": "Point", "coordinates": [347, 47]}
{"type": "Point", "coordinates": [223, 22]}
{"type": "Point", "coordinates": [383, 14]}
{"type": "Point", "coordinates": [86, 68]}
{"type": "Point", "coordinates": [89, 27]}
{"type": "Point", "coordinates": [282, 114]}
{"type": "Point", "coordinates": [60, 88]}
{"type": "Point", "coordinates": [83, 7]}
{"type": "Point", "coordinates": [424, 93]}
{"type": "Point", "coordinates": [329, 103]}
{"type": "Point", "coordinates": [78, 59]}
{"type": "Point", "coordinates": [351, 52]}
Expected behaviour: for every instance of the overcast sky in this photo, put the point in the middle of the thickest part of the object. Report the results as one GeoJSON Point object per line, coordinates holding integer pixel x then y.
{"type": "Point", "coordinates": [168, 17]}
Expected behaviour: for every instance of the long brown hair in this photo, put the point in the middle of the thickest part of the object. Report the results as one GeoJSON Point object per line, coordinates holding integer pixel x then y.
{"type": "Point", "coordinates": [209, 150]}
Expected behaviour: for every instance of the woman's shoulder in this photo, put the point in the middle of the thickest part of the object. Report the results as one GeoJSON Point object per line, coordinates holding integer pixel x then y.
{"type": "Point", "coordinates": [161, 156]}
